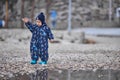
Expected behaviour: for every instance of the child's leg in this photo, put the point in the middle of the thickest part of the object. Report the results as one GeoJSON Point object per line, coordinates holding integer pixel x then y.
{"type": "Point", "coordinates": [34, 56]}
{"type": "Point", "coordinates": [44, 56]}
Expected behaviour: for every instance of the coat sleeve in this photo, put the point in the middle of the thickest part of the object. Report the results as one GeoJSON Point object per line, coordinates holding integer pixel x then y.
{"type": "Point", "coordinates": [49, 33]}
{"type": "Point", "coordinates": [30, 26]}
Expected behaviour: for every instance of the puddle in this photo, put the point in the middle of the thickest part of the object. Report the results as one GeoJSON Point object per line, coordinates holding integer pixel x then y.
{"type": "Point", "coordinates": [59, 74]}
{"type": "Point", "coordinates": [84, 75]}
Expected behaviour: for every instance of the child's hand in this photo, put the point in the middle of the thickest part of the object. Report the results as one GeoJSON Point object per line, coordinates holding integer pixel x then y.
{"type": "Point", "coordinates": [25, 20]}
{"type": "Point", "coordinates": [51, 40]}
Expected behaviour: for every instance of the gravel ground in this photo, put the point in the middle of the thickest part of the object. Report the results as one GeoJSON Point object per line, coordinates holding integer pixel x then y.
{"type": "Point", "coordinates": [15, 56]}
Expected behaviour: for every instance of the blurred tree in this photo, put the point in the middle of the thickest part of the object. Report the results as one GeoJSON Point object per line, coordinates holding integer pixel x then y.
{"type": "Point", "coordinates": [32, 11]}
{"type": "Point", "coordinates": [8, 4]}
{"type": "Point", "coordinates": [11, 3]}
{"type": "Point", "coordinates": [48, 3]}
{"type": "Point", "coordinates": [6, 16]}
{"type": "Point", "coordinates": [22, 13]}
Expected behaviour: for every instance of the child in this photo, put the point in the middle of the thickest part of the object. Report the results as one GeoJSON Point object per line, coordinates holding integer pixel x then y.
{"type": "Point", "coordinates": [39, 41]}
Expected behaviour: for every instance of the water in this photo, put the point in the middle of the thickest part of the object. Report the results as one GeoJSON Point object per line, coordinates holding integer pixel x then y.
{"type": "Point", "coordinates": [84, 75]}
{"type": "Point", "coordinates": [59, 74]}
{"type": "Point", "coordinates": [100, 31]}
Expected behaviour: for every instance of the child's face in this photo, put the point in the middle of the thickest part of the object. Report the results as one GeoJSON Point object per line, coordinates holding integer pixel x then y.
{"type": "Point", "coordinates": [38, 22]}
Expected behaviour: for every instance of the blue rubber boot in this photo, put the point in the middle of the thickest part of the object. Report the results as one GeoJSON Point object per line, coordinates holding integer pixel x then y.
{"type": "Point", "coordinates": [33, 62]}
{"type": "Point", "coordinates": [43, 62]}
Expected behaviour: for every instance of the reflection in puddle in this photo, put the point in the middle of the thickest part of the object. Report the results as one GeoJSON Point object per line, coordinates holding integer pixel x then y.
{"type": "Point", "coordinates": [59, 74]}
{"type": "Point", "coordinates": [40, 75]}
{"type": "Point", "coordinates": [84, 75]}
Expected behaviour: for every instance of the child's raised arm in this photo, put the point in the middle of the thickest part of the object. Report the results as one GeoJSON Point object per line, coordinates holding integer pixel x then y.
{"type": "Point", "coordinates": [28, 24]}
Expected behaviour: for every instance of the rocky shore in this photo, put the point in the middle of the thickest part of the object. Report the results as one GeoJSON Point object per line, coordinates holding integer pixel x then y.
{"type": "Point", "coordinates": [15, 56]}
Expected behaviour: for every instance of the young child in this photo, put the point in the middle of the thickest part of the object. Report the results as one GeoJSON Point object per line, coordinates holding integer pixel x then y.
{"type": "Point", "coordinates": [39, 41]}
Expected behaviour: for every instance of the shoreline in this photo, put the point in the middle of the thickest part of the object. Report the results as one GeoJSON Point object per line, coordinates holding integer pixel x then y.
{"type": "Point", "coordinates": [15, 56]}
